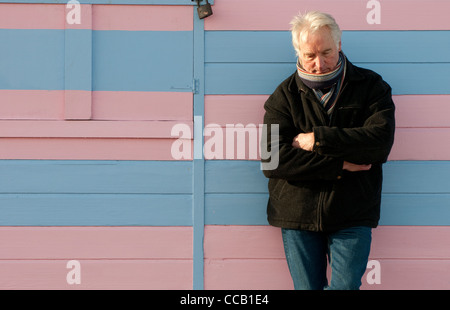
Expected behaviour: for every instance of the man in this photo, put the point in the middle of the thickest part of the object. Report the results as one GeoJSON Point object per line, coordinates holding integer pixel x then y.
{"type": "Point", "coordinates": [336, 129]}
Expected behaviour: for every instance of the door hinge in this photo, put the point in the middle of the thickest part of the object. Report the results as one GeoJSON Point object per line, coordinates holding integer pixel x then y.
{"type": "Point", "coordinates": [195, 86]}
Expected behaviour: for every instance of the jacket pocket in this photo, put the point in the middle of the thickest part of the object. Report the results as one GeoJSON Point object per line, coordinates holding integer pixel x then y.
{"type": "Point", "coordinates": [349, 117]}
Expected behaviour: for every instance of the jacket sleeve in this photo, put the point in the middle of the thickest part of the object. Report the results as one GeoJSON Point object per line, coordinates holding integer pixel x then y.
{"type": "Point", "coordinates": [369, 144]}
{"type": "Point", "coordinates": [287, 162]}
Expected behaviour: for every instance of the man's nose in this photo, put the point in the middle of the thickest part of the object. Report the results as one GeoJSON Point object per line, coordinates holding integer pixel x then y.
{"type": "Point", "coordinates": [320, 63]}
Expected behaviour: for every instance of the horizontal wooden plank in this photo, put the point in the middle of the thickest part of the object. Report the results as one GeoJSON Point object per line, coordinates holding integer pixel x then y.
{"type": "Point", "coordinates": [95, 177]}
{"type": "Point", "coordinates": [32, 104]}
{"type": "Point", "coordinates": [265, 242]}
{"type": "Point", "coordinates": [236, 176]}
{"type": "Point", "coordinates": [224, 176]}
{"type": "Point", "coordinates": [255, 274]}
{"type": "Point", "coordinates": [396, 209]}
{"type": "Point", "coordinates": [106, 105]}
{"type": "Point", "coordinates": [406, 146]}
{"type": "Point", "coordinates": [260, 79]}
{"type": "Point", "coordinates": [96, 274]}
{"type": "Point", "coordinates": [31, 16]}
{"type": "Point", "coordinates": [422, 110]}
{"type": "Point", "coordinates": [112, 2]}
{"type": "Point", "coordinates": [412, 111]}
{"type": "Point", "coordinates": [143, 17]}
{"type": "Point", "coordinates": [107, 17]}
{"type": "Point", "coordinates": [359, 46]}
{"type": "Point", "coordinates": [236, 209]}
{"type": "Point", "coordinates": [95, 210]}
{"type": "Point", "coordinates": [36, 60]}
{"type": "Point", "coordinates": [244, 257]}
{"type": "Point", "coordinates": [92, 149]}
{"type": "Point", "coordinates": [90, 129]}
{"type": "Point", "coordinates": [273, 274]}
{"type": "Point", "coordinates": [350, 14]}
{"type": "Point", "coordinates": [127, 105]}
{"type": "Point", "coordinates": [18, 243]}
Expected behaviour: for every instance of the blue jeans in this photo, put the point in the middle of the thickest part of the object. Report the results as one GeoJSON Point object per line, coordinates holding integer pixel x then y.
{"type": "Point", "coordinates": [307, 251]}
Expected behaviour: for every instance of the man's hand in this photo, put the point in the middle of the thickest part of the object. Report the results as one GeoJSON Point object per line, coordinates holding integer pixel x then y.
{"type": "Point", "coordinates": [304, 141]}
{"type": "Point", "coordinates": [354, 167]}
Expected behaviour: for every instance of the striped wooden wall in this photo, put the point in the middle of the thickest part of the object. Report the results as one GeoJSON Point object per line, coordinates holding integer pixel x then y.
{"type": "Point", "coordinates": [248, 53]}
{"type": "Point", "coordinates": [87, 169]}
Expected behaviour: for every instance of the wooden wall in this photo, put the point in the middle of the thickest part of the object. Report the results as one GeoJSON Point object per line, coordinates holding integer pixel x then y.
{"type": "Point", "coordinates": [86, 141]}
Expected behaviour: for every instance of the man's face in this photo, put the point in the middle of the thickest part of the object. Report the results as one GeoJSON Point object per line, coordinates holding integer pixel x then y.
{"type": "Point", "coordinates": [318, 52]}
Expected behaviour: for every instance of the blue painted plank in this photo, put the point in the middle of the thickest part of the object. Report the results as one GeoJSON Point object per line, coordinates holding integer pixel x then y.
{"type": "Point", "coordinates": [396, 209]}
{"type": "Point", "coordinates": [32, 59]}
{"type": "Point", "coordinates": [415, 209]}
{"type": "Point", "coordinates": [120, 60]}
{"type": "Point", "coordinates": [236, 209]}
{"type": "Point", "coordinates": [249, 46]}
{"type": "Point", "coordinates": [425, 177]}
{"type": "Point", "coordinates": [78, 59]}
{"type": "Point", "coordinates": [142, 60]}
{"type": "Point", "coordinates": [95, 177]}
{"type": "Point", "coordinates": [359, 46]}
{"type": "Point", "coordinates": [257, 78]}
{"type": "Point", "coordinates": [234, 176]}
{"type": "Point", "coordinates": [95, 210]}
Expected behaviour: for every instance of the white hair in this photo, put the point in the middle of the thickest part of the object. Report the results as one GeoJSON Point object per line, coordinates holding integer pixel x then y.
{"type": "Point", "coordinates": [302, 25]}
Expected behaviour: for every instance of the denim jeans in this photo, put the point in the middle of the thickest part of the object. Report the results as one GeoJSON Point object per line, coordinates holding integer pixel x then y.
{"type": "Point", "coordinates": [347, 251]}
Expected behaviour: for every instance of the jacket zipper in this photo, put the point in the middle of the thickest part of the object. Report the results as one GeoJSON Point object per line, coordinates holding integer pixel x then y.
{"type": "Point", "coordinates": [319, 211]}
{"type": "Point", "coordinates": [333, 115]}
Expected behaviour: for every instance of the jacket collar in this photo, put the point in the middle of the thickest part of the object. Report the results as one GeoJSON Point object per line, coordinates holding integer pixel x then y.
{"type": "Point", "coordinates": [296, 85]}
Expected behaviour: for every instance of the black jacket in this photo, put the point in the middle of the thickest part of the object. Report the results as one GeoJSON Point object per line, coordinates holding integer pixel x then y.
{"type": "Point", "coordinates": [309, 189]}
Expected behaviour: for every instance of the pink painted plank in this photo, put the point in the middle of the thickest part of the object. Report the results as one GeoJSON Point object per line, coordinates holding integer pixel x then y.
{"type": "Point", "coordinates": [242, 242]}
{"type": "Point", "coordinates": [424, 242]}
{"type": "Point", "coordinates": [219, 144]}
{"type": "Point", "coordinates": [143, 17]}
{"type": "Point", "coordinates": [350, 14]}
{"type": "Point", "coordinates": [406, 242]}
{"type": "Point", "coordinates": [32, 16]}
{"type": "Point", "coordinates": [90, 129]}
{"type": "Point", "coordinates": [250, 274]}
{"type": "Point", "coordinates": [252, 257]}
{"type": "Point", "coordinates": [124, 105]}
{"type": "Point", "coordinates": [421, 144]}
{"type": "Point", "coordinates": [22, 243]}
{"type": "Point", "coordinates": [88, 149]}
{"type": "Point", "coordinates": [273, 274]}
{"type": "Point", "coordinates": [31, 104]}
{"type": "Point", "coordinates": [422, 110]}
{"type": "Point", "coordinates": [411, 275]}
{"type": "Point", "coordinates": [106, 105]}
{"type": "Point", "coordinates": [97, 274]}
{"type": "Point", "coordinates": [77, 104]}
{"type": "Point", "coordinates": [412, 110]}
{"type": "Point", "coordinates": [105, 17]}
{"type": "Point", "coordinates": [234, 109]}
